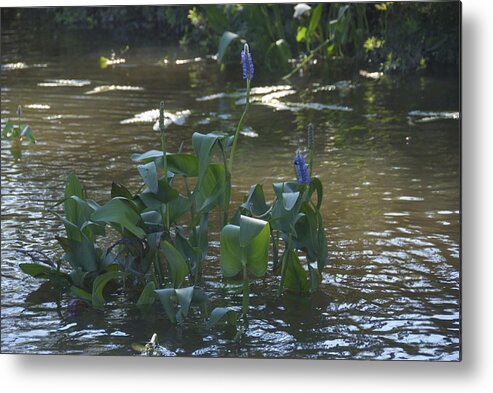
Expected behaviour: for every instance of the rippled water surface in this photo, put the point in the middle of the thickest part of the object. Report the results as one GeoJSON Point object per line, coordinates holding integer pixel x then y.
{"type": "Point", "coordinates": [388, 154]}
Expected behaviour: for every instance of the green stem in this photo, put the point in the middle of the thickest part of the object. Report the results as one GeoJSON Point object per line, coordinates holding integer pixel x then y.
{"type": "Point", "coordinates": [246, 294]}
{"type": "Point", "coordinates": [238, 128]}
{"type": "Point", "coordinates": [283, 266]}
{"type": "Point", "coordinates": [307, 59]}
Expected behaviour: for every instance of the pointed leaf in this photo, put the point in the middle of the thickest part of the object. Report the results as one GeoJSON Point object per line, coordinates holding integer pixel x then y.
{"type": "Point", "coordinates": [230, 251]}
{"type": "Point", "coordinates": [222, 314]}
{"type": "Point", "coordinates": [184, 297]}
{"type": "Point", "coordinates": [177, 265]}
{"type": "Point", "coordinates": [99, 284]}
{"type": "Point", "coordinates": [148, 172]}
{"type": "Point", "coordinates": [166, 296]}
{"type": "Point", "coordinates": [148, 294]}
{"type": "Point", "coordinates": [120, 211]}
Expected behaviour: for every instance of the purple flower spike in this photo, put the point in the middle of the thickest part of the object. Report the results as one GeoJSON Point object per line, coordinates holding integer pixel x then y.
{"type": "Point", "coordinates": [301, 168]}
{"type": "Point", "coordinates": [247, 63]}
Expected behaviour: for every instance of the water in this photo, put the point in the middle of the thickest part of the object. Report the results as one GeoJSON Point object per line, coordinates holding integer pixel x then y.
{"type": "Point", "coordinates": [388, 154]}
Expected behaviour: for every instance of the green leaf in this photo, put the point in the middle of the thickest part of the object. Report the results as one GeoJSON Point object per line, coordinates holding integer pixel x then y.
{"type": "Point", "coordinates": [119, 211]}
{"type": "Point", "coordinates": [99, 284]}
{"type": "Point", "coordinates": [295, 276]}
{"type": "Point", "coordinates": [230, 250]}
{"type": "Point", "coordinates": [316, 185]}
{"type": "Point", "coordinates": [81, 255]}
{"type": "Point", "coordinates": [222, 314]}
{"type": "Point", "coordinates": [80, 293]}
{"type": "Point", "coordinates": [255, 201]}
{"type": "Point", "coordinates": [301, 34]}
{"type": "Point", "coordinates": [148, 172]}
{"type": "Point", "coordinates": [28, 133]}
{"type": "Point", "coordinates": [119, 190]}
{"type": "Point", "coordinates": [314, 20]}
{"type": "Point", "coordinates": [250, 229]}
{"type": "Point", "coordinates": [184, 298]}
{"type": "Point", "coordinates": [257, 249]}
{"type": "Point", "coordinates": [36, 270]}
{"type": "Point", "coordinates": [178, 267]}
{"type": "Point", "coordinates": [226, 39]}
{"type": "Point", "coordinates": [203, 145]}
{"type": "Point", "coordinates": [183, 164]}
{"type": "Point", "coordinates": [148, 156]}
{"type": "Point", "coordinates": [178, 207]}
{"type": "Point", "coordinates": [148, 295]}
{"type": "Point", "coordinates": [247, 244]}
{"type": "Point", "coordinates": [8, 130]}
{"type": "Point", "coordinates": [212, 188]}
{"type": "Point", "coordinates": [166, 296]}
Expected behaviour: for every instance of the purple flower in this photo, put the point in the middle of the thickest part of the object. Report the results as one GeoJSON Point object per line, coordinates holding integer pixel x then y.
{"type": "Point", "coordinates": [301, 168]}
{"type": "Point", "coordinates": [247, 63]}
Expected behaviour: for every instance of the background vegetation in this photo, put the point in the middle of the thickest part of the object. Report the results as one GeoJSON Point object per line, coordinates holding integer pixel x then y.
{"type": "Point", "coordinates": [390, 36]}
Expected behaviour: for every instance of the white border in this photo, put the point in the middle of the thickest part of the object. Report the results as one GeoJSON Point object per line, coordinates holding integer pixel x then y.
{"type": "Point", "coordinates": [473, 374]}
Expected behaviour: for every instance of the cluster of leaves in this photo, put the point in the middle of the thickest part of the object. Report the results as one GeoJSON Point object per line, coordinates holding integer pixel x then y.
{"type": "Point", "coordinates": [163, 257]}
{"type": "Point", "coordinates": [17, 133]}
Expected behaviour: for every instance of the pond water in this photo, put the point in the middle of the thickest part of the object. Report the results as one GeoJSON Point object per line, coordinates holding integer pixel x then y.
{"type": "Point", "coordinates": [387, 152]}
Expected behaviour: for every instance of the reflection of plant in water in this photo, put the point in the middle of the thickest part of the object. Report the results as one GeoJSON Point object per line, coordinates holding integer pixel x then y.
{"type": "Point", "coordinates": [164, 233]}
{"type": "Point", "coordinates": [17, 133]}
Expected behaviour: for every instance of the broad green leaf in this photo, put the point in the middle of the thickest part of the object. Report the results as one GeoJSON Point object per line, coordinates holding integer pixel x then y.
{"type": "Point", "coordinates": [178, 207]}
{"type": "Point", "coordinates": [257, 250]}
{"type": "Point", "coordinates": [230, 251]}
{"type": "Point", "coordinates": [183, 164]}
{"type": "Point", "coordinates": [81, 255]}
{"type": "Point", "coordinates": [203, 145]}
{"type": "Point", "coordinates": [255, 201]}
{"type": "Point", "coordinates": [226, 39]}
{"type": "Point", "coordinates": [27, 132]}
{"type": "Point", "coordinates": [148, 294]}
{"type": "Point", "coordinates": [148, 172]}
{"type": "Point", "coordinates": [301, 34]}
{"type": "Point", "coordinates": [8, 129]}
{"type": "Point", "coordinates": [289, 200]}
{"type": "Point", "coordinates": [184, 298]}
{"type": "Point", "coordinates": [314, 20]}
{"type": "Point", "coordinates": [80, 293]}
{"type": "Point", "coordinates": [222, 314]}
{"type": "Point", "coordinates": [295, 276]}
{"type": "Point", "coordinates": [247, 244]}
{"type": "Point", "coordinates": [36, 270]}
{"type": "Point", "coordinates": [211, 189]}
{"type": "Point", "coordinates": [166, 296]}
{"type": "Point", "coordinates": [250, 228]}
{"type": "Point", "coordinates": [148, 156]}
{"type": "Point", "coordinates": [153, 221]}
{"type": "Point", "coordinates": [99, 284]}
{"type": "Point", "coordinates": [118, 190]}
{"type": "Point", "coordinates": [177, 265]}
{"type": "Point", "coordinates": [119, 211]}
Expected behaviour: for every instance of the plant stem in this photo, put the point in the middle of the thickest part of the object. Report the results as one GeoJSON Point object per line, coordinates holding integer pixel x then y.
{"type": "Point", "coordinates": [284, 263]}
{"type": "Point", "coordinates": [307, 59]}
{"type": "Point", "coordinates": [238, 128]}
{"type": "Point", "coordinates": [246, 294]}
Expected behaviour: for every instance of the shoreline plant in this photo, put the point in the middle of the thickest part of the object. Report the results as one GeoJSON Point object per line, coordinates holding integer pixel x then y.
{"type": "Point", "coordinates": [164, 231]}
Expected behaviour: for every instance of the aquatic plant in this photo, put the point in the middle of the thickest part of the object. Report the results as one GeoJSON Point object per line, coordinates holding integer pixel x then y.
{"type": "Point", "coordinates": [18, 132]}
{"type": "Point", "coordinates": [164, 231]}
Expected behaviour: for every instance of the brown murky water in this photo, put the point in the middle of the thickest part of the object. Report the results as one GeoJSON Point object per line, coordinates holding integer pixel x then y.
{"type": "Point", "coordinates": [388, 154]}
